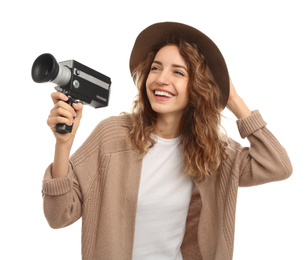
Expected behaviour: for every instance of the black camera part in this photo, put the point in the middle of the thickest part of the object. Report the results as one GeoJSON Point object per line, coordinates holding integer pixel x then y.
{"type": "Point", "coordinates": [77, 81]}
{"type": "Point", "coordinates": [63, 128]}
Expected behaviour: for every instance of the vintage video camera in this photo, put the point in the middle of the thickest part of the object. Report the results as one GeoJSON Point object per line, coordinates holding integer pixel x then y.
{"type": "Point", "coordinates": [79, 82]}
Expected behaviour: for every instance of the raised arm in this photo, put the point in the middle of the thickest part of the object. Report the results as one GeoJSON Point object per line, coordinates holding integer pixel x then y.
{"type": "Point", "coordinates": [236, 104]}
{"type": "Point", "coordinates": [266, 159]}
{"type": "Point", "coordinates": [61, 192]}
{"type": "Point", "coordinates": [65, 114]}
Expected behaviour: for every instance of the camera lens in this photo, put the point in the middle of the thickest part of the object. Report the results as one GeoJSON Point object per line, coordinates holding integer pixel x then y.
{"type": "Point", "coordinates": [46, 68]}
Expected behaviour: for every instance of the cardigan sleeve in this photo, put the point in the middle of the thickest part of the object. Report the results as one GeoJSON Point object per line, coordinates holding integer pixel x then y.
{"type": "Point", "coordinates": [265, 160]}
{"type": "Point", "coordinates": [63, 197]}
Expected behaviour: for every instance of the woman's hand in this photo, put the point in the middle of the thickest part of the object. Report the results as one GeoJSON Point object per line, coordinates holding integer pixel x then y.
{"type": "Point", "coordinates": [63, 113]}
{"type": "Point", "coordinates": [235, 103]}
{"type": "Point", "coordinates": [232, 94]}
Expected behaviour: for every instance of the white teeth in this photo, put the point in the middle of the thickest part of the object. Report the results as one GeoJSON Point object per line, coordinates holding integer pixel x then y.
{"type": "Point", "coordinates": [162, 93]}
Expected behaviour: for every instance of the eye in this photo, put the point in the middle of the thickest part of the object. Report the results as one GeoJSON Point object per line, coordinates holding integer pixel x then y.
{"type": "Point", "coordinates": [154, 68]}
{"type": "Point", "coordinates": [179, 72]}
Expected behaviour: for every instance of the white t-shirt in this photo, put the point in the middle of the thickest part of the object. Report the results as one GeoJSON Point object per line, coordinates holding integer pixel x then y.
{"type": "Point", "coordinates": [164, 197]}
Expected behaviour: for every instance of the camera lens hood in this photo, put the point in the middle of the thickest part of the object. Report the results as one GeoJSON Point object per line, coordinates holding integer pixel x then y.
{"type": "Point", "coordinates": [45, 68]}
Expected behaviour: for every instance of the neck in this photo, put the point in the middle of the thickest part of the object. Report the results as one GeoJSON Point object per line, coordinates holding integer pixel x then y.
{"type": "Point", "coordinates": [167, 127]}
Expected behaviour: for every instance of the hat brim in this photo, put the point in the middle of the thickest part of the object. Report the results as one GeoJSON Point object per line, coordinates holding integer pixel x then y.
{"type": "Point", "coordinates": [157, 33]}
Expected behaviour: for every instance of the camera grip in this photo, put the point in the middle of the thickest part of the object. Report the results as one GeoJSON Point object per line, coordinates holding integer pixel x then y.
{"type": "Point", "coordinates": [63, 128]}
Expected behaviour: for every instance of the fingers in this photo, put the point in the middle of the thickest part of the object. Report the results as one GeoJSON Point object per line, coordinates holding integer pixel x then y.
{"type": "Point", "coordinates": [78, 106]}
{"type": "Point", "coordinates": [53, 121]}
{"type": "Point", "coordinates": [63, 113]}
{"type": "Point", "coordinates": [78, 111]}
{"type": "Point", "coordinates": [56, 96]}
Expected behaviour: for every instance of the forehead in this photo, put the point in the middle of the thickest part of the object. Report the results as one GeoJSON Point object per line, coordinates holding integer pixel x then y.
{"type": "Point", "coordinates": [170, 54]}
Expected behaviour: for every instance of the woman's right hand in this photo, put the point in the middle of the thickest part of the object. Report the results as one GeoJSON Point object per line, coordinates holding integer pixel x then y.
{"type": "Point", "coordinates": [63, 113]}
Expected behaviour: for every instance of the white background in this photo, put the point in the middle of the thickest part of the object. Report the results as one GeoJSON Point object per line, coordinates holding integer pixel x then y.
{"type": "Point", "coordinates": [265, 47]}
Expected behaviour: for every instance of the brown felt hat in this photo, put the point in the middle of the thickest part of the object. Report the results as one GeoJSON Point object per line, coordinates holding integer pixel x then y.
{"type": "Point", "coordinates": [156, 34]}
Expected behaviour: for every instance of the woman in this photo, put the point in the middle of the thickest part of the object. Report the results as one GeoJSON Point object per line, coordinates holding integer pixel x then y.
{"type": "Point", "coordinates": [161, 183]}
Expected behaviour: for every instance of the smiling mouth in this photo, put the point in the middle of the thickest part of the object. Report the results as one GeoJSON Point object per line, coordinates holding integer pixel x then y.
{"type": "Point", "coordinates": [159, 93]}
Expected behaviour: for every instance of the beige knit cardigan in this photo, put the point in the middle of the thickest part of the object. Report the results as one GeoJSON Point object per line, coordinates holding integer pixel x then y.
{"type": "Point", "coordinates": [103, 181]}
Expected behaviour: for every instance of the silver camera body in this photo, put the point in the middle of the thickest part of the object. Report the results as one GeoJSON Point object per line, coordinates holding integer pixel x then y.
{"type": "Point", "coordinates": [84, 84]}
{"type": "Point", "coordinates": [79, 82]}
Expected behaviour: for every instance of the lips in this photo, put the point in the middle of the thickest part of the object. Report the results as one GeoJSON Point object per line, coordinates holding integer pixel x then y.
{"type": "Point", "coordinates": [162, 93]}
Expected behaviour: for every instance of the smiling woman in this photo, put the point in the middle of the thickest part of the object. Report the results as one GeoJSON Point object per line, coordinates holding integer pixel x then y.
{"type": "Point", "coordinates": [167, 92]}
{"type": "Point", "coordinates": [179, 68]}
{"type": "Point", "coordinates": [162, 182]}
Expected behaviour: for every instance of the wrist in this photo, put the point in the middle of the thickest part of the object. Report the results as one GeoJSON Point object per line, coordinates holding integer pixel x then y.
{"type": "Point", "coordinates": [61, 159]}
{"type": "Point", "coordinates": [238, 107]}
{"type": "Point", "coordinates": [64, 146]}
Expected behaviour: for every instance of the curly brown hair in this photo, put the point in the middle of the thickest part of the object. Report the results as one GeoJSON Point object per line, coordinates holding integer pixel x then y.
{"type": "Point", "coordinates": [204, 144]}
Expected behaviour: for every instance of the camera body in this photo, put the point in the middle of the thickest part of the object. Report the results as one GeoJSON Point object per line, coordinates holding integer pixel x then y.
{"type": "Point", "coordinates": [77, 81]}
{"type": "Point", "coordinates": [86, 85]}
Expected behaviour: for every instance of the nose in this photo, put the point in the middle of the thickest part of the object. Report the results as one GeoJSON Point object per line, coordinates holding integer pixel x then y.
{"type": "Point", "coordinates": [163, 78]}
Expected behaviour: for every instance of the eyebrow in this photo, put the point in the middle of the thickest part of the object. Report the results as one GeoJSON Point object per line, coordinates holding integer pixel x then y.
{"type": "Point", "coordinates": [173, 65]}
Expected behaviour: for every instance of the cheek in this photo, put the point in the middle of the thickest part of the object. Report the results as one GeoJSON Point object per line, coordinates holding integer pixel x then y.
{"type": "Point", "coordinates": [149, 80]}
{"type": "Point", "coordinates": [148, 84]}
{"type": "Point", "coordinates": [185, 92]}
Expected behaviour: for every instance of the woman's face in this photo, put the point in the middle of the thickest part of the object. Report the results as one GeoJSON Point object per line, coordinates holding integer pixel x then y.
{"type": "Point", "coordinates": [167, 82]}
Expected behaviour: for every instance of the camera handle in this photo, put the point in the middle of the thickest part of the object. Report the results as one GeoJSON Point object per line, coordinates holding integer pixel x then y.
{"type": "Point", "coordinates": [63, 128]}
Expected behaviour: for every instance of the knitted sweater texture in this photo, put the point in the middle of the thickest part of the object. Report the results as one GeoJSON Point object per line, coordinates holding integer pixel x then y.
{"type": "Point", "coordinates": [103, 181]}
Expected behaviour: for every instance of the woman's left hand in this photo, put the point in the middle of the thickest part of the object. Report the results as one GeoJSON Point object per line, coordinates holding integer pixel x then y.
{"type": "Point", "coordinates": [236, 104]}
{"type": "Point", "coordinates": [232, 93]}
